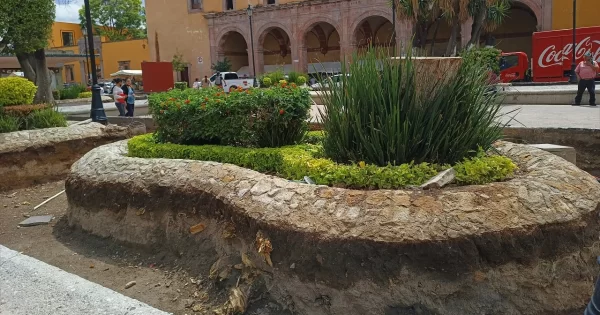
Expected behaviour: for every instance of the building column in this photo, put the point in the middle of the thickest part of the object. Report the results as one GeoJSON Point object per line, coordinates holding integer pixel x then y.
{"type": "Point", "coordinates": [465, 33]}
{"type": "Point", "coordinates": [83, 70]}
{"type": "Point", "coordinates": [260, 60]}
{"type": "Point", "coordinates": [296, 55]}
{"type": "Point", "coordinates": [404, 30]}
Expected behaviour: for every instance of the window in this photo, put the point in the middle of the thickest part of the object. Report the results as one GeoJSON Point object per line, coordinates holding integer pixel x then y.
{"type": "Point", "coordinates": [124, 65]}
{"type": "Point", "coordinates": [196, 4]}
{"type": "Point", "coordinates": [69, 77]}
{"type": "Point", "coordinates": [267, 2]}
{"type": "Point", "coordinates": [230, 76]}
{"type": "Point", "coordinates": [508, 62]}
{"type": "Point", "coordinates": [229, 5]}
{"type": "Point", "coordinates": [67, 39]}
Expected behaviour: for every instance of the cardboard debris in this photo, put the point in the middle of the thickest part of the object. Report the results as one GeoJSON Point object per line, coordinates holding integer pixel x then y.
{"type": "Point", "coordinates": [37, 220]}
{"type": "Point", "coordinates": [197, 228]}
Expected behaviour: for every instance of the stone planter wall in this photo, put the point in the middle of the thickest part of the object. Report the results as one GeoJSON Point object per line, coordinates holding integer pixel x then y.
{"type": "Point", "coordinates": [35, 156]}
{"type": "Point", "coordinates": [526, 246]}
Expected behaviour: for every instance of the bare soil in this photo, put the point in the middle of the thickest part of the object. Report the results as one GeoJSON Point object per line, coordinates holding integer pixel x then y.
{"type": "Point", "coordinates": [172, 281]}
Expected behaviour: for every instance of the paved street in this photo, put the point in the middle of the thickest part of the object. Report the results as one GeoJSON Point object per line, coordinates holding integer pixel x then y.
{"type": "Point", "coordinates": [539, 116]}
{"type": "Point", "coordinates": [30, 287]}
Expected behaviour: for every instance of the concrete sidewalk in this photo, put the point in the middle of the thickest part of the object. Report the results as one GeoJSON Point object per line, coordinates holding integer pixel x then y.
{"type": "Point", "coordinates": [108, 107]}
{"type": "Point", "coordinates": [31, 287]}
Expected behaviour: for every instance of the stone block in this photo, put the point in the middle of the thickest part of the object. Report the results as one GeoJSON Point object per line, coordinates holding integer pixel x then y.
{"type": "Point", "coordinates": [565, 152]}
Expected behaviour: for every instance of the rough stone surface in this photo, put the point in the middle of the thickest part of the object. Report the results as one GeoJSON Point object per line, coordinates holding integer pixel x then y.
{"type": "Point", "coordinates": [440, 180]}
{"type": "Point", "coordinates": [525, 246]}
{"type": "Point", "coordinates": [585, 141]}
{"type": "Point", "coordinates": [33, 156]}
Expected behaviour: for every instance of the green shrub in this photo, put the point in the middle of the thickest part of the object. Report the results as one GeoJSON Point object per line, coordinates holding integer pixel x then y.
{"type": "Point", "coordinates": [485, 57]}
{"type": "Point", "coordinates": [295, 162]}
{"type": "Point", "coordinates": [85, 95]}
{"type": "Point", "coordinates": [380, 114]}
{"type": "Point", "coordinates": [266, 82]}
{"type": "Point", "coordinates": [301, 80]}
{"type": "Point", "coordinates": [56, 94]}
{"type": "Point", "coordinates": [181, 85]}
{"type": "Point", "coordinates": [314, 137]}
{"type": "Point", "coordinates": [484, 169]}
{"type": "Point", "coordinates": [276, 76]}
{"type": "Point", "coordinates": [293, 77]}
{"type": "Point", "coordinates": [256, 117]}
{"type": "Point", "coordinates": [8, 124]}
{"type": "Point", "coordinates": [71, 92]}
{"type": "Point", "coordinates": [46, 118]}
{"type": "Point", "coordinates": [292, 163]}
{"type": "Point", "coordinates": [16, 91]}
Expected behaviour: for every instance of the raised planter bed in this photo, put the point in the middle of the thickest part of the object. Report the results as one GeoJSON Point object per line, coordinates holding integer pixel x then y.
{"type": "Point", "coordinates": [35, 156]}
{"type": "Point", "coordinates": [525, 246]}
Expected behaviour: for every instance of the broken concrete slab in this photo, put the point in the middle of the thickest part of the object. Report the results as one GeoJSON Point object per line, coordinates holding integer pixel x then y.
{"type": "Point", "coordinates": [37, 220]}
{"type": "Point", "coordinates": [565, 152]}
{"type": "Point", "coordinates": [440, 180]}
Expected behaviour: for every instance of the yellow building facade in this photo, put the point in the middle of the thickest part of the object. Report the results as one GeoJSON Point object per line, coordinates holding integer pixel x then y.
{"type": "Point", "coordinates": [587, 13]}
{"type": "Point", "coordinates": [111, 56]}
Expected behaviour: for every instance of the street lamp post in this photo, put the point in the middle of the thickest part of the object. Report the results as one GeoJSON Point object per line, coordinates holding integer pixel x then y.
{"type": "Point", "coordinates": [573, 78]}
{"type": "Point", "coordinates": [97, 112]}
{"type": "Point", "coordinates": [249, 12]}
{"type": "Point", "coordinates": [394, 28]}
{"type": "Point", "coordinates": [86, 62]}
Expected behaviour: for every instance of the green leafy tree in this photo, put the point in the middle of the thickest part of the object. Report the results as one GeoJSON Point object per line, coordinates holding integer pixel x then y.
{"type": "Point", "coordinates": [117, 19]}
{"type": "Point", "coordinates": [222, 65]}
{"type": "Point", "coordinates": [25, 28]}
{"type": "Point", "coordinates": [178, 63]}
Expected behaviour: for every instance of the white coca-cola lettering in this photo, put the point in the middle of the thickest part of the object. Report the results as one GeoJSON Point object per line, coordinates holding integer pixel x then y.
{"type": "Point", "coordinates": [552, 57]}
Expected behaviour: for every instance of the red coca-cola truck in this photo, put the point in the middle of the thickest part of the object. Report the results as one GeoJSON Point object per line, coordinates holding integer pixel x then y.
{"type": "Point", "coordinates": [552, 54]}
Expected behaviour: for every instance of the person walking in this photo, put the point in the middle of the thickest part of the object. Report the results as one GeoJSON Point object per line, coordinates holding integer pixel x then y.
{"type": "Point", "coordinates": [129, 92]}
{"type": "Point", "coordinates": [196, 84]}
{"type": "Point", "coordinates": [205, 82]}
{"type": "Point", "coordinates": [218, 80]}
{"type": "Point", "coordinates": [586, 73]}
{"type": "Point", "coordinates": [118, 96]}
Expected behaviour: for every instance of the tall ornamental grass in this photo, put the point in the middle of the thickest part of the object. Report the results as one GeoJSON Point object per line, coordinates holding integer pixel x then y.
{"type": "Point", "coordinates": [392, 112]}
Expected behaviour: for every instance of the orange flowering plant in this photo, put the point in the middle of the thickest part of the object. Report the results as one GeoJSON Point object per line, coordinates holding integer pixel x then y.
{"type": "Point", "coordinates": [271, 117]}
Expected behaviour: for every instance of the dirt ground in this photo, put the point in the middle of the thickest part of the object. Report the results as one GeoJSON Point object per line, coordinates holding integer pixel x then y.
{"type": "Point", "coordinates": [161, 281]}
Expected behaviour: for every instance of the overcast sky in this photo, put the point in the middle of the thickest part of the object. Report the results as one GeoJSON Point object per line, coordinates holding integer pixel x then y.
{"type": "Point", "coordinates": [70, 13]}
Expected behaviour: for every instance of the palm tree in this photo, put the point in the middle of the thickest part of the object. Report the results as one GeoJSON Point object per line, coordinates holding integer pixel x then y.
{"type": "Point", "coordinates": [487, 15]}
{"type": "Point", "coordinates": [424, 14]}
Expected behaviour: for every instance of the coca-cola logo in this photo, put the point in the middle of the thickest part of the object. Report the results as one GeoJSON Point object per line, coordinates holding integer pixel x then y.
{"type": "Point", "coordinates": [552, 57]}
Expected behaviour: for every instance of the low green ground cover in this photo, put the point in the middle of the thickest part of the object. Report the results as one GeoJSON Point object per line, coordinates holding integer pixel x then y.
{"type": "Point", "coordinates": [306, 159]}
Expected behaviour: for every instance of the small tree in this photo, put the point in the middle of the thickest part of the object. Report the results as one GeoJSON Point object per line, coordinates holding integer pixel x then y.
{"type": "Point", "coordinates": [25, 28]}
{"type": "Point", "coordinates": [117, 19]}
{"type": "Point", "coordinates": [222, 66]}
{"type": "Point", "coordinates": [178, 63]}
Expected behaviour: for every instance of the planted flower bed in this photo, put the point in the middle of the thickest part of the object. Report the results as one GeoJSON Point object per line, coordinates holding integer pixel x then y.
{"type": "Point", "coordinates": [381, 132]}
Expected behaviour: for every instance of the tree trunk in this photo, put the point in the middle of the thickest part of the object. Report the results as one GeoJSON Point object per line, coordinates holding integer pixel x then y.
{"type": "Point", "coordinates": [435, 32]}
{"type": "Point", "coordinates": [420, 36]}
{"type": "Point", "coordinates": [27, 67]}
{"type": "Point", "coordinates": [44, 92]}
{"type": "Point", "coordinates": [451, 48]}
{"type": "Point", "coordinates": [477, 25]}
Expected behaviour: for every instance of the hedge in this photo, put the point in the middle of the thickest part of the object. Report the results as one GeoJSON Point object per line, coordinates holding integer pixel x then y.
{"type": "Point", "coordinates": [16, 91]}
{"type": "Point", "coordinates": [295, 162]}
{"type": "Point", "coordinates": [27, 117]}
{"type": "Point", "coordinates": [271, 117]}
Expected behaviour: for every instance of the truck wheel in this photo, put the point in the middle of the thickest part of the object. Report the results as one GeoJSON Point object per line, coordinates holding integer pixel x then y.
{"type": "Point", "coordinates": [232, 88]}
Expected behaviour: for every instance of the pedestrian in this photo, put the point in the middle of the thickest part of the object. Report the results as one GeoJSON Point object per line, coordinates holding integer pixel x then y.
{"type": "Point", "coordinates": [129, 92]}
{"type": "Point", "coordinates": [205, 82]}
{"type": "Point", "coordinates": [196, 84]}
{"type": "Point", "coordinates": [218, 80]}
{"type": "Point", "coordinates": [118, 96]}
{"type": "Point", "coordinates": [586, 74]}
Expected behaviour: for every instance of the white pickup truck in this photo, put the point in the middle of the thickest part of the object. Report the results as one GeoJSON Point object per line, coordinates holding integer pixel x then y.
{"type": "Point", "coordinates": [231, 81]}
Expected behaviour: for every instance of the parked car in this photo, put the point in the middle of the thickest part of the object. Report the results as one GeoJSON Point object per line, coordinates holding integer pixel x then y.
{"type": "Point", "coordinates": [231, 81]}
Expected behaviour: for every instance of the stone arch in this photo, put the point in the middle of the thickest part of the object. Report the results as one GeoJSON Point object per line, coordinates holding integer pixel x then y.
{"type": "Point", "coordinates": [516, 33]}
{"type": "Point", "coordinates": [273, 46]}
{"type": "Point", "coordinates": [233, 45]}
{"type": "Point", "coordinates": [360, 19]}
{"type": "Point", "coordinates": [536, 7]}
{"type": "Point", "coordinates": [368, 29]}
{"type": "Point", "coordinates": [308, 25]}
{"type": "Point", "coordinates": [322, 44]}
{"type": "Point", "coordinates": [228, 29]}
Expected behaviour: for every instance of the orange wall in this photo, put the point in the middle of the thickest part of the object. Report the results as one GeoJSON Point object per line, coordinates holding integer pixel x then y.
{"type": "Point", "coordinates": [588, 13]}
{"type": "Point", "coordinates": [58, 28]}
{"type": "Point", "coordinates": [136, 51]}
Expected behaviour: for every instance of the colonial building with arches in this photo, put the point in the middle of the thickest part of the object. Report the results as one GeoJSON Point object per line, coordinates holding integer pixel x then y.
{"type": "Point", "coordinates": [296, 34]}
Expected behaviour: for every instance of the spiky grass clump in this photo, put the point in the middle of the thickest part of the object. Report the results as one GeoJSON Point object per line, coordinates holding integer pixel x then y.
{"type": "Point", "coordinates": [393, 111]}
